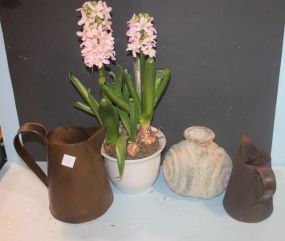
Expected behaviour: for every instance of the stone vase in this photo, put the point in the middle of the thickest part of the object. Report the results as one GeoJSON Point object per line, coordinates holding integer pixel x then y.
{"type": "Point", "coordinates": [196, 166]}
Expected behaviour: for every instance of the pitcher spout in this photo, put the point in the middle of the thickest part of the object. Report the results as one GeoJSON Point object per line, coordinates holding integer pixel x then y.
{"type": "Point", "coordinates": [252, 155]}
{"type": "Point", "coordinates": [97, 136]}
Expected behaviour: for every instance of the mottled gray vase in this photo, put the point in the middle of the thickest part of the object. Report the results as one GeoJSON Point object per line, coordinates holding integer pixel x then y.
{"type": "Point", "coordinates": [197, 166]}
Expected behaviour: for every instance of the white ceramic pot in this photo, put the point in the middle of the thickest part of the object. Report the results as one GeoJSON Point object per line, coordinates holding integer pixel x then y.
{"type": "Point", "coordinates": [138, 174]}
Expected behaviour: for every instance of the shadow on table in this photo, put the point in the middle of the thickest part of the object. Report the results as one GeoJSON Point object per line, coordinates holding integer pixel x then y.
{"type": "Point", "coordinates": [215, 204]}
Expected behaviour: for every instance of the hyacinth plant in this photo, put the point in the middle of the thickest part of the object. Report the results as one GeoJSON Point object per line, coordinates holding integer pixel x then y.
{"type": "Point", "coordinates": [127, 106]}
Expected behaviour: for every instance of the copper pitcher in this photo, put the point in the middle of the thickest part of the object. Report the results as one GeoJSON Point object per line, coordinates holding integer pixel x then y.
{"type": "Point", "coordinates": [78, 186]}
{"type": "Point", "coordinates": [249, 195]}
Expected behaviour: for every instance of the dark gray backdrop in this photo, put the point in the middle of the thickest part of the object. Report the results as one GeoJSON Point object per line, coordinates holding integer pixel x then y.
{"type": "Point", "coordinates": [224, 55]}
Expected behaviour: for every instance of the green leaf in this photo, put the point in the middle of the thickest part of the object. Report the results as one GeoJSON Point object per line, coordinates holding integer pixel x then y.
{"type": "Point", "coordinates": [83, 107]}
{"type": "Point", "coordinates": [79, 86]}
{"type": "Point", "coordinates": [94, 106]}
{"type": "Point", "coordinates": [133, 121]}
{"type": "Point", "coordinates": [158, 78]}
{"type": "Point", "coordinates": [125, 91]}
{"type": "Point", "coordinates": [107, 91]}
{"type": "Point", "coordinates": [161, 88]}
{"type": "Point", "coordinates": [92, 99]}
{"type": "Point", "coordinates": [132, 90]}
{"type": "Point", "coordinates": [119, 74]}
{"type": "Point", "coordinates": [87, 97]}
{"type": "Point", "coordinates": [112, 74]}
{"type": "Point", "coordinates": [116, 115]}
{"type": "Point", "coordinates": [116, 88]}
{"type": "Point", "coordinates": [124, 117]}
{"type": "Point", "coordinates": [110, 120]}
{"type": "Point", "coordinates": [121, 147]}
{"type": "Point", "coordinates": [148, 91]}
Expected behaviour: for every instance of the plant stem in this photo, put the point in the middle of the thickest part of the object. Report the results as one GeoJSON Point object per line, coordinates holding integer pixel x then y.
{"type": "Point", "coordinates": [137, 70]}
{"type": "Point", "coordinates": [148, 94]}
{"type": "Point", "coordinates": [101, 72]}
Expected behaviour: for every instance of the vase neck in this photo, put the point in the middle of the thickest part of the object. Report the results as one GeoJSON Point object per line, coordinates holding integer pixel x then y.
{"type": "Point", "coordinates": [199, 134]}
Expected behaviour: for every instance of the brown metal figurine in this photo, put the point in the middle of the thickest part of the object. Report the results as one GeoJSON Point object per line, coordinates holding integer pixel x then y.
{"type": "Point", "coordinates": [252, 183]}
{"type": "Point", "coordinates": [78, 187]}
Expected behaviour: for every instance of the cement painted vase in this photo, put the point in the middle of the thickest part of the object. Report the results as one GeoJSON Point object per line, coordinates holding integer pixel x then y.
{"type": "Point", "coordinates": [196, 166]}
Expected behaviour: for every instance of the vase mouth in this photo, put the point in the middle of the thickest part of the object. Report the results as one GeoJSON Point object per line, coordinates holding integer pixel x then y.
{"type": "Point", "coordinates": [162, 143]}
{"type": "Point", "coordinates": [199, 134]}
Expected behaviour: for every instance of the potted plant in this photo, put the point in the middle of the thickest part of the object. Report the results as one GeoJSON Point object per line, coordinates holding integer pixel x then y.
{"type": "Point", "coordinates": [132, 147]}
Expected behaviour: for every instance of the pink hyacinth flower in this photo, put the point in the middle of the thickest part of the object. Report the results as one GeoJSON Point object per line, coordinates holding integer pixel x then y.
{"type": "Point", "coordinates": [97, 39]}
{"type": "Point", "coordinates": [141, 35]}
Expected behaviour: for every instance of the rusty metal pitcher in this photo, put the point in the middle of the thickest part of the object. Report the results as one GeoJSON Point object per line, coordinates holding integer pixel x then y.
{"type": "Point", "coordinates": [78, 187]}
{"type": "Point", "coordinates": [252, 183]}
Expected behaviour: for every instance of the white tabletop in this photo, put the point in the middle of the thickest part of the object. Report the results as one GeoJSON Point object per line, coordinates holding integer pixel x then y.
{"type": "Point", "coordinates": [158, 214]}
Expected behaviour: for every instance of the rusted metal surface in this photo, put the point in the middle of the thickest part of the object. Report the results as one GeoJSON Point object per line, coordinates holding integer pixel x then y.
{"type": "Point", "coordinates": [249, 195]}
{"type": "Point", "coordinates": [77, 193]}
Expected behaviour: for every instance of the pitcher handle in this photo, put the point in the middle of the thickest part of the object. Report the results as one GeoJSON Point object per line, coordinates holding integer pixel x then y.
{"type": "Point", "coordinates": [268, 181]}
{"type": "Point", "coordinates": [40, 131]}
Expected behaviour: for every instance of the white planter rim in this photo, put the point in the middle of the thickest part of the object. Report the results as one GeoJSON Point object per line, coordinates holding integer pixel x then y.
{"type": "Point", "coordinates": [162, 142]}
